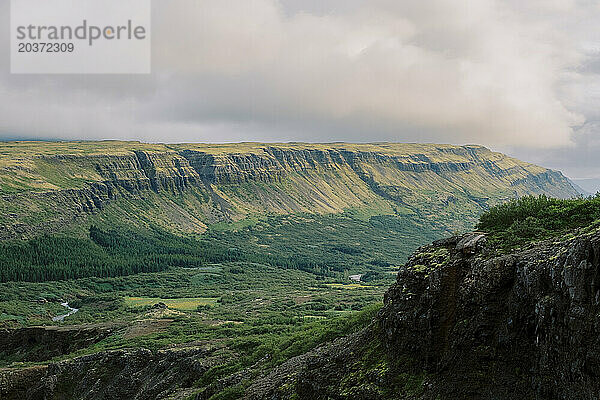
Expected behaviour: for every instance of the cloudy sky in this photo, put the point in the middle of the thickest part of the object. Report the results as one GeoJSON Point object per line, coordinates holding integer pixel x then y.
{"type": "Point", "coordinates": [522, 79]}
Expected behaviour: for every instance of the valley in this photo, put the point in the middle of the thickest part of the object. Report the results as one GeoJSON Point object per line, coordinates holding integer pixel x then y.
{"type": "Point", "coordinates": [204, 267]}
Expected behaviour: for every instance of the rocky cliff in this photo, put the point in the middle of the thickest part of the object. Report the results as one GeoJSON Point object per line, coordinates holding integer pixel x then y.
{"type": "Point", "coordinates": [521, 324]}
{"type": "Point", "coordinates": [42, 343]}
{"type": "Point", "coordinates": [464, 322]}
{"type": "Point", "coordinates": [46, 187]}
{"type": "Point", "coordinates": [118, 374]}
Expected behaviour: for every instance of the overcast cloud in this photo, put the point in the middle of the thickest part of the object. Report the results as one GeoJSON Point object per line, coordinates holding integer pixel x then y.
{"type": "Point", "coordinates": [524, 79]}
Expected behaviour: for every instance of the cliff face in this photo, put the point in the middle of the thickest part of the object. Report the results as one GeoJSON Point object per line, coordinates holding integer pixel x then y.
{"type": "Point", "coordinates": [47, 186]}
{"type": "Point", "coordinates": [43, 343]}
{"type": "Point", "coordinates": [118, 374]}
{"type": "Point", "coordinates": [461, 323]}
{"type": "Point", "coordinates": [522, 324]}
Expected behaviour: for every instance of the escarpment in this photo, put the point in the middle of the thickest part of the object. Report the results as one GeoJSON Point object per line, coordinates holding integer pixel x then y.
{"type": "Point", "coordinates": [464, 323]}
{"type": "Point", "coordinates": [116, 374]}
{"type": "Point", "coordinates": [46, 187]}
{"type": "Point", "coordinates": [521, 324]}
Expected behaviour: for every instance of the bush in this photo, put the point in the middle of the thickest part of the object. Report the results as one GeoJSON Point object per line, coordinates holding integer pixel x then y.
{"type": "Point", "coordinates": [533, 218]}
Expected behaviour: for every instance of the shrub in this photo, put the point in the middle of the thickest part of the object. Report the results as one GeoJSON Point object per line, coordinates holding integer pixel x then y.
{"type": "Point", "coordinates": [533, 218]}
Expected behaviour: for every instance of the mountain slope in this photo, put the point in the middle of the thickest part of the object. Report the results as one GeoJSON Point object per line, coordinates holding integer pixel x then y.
{"type": "Point", "coordinates": [47, 187]}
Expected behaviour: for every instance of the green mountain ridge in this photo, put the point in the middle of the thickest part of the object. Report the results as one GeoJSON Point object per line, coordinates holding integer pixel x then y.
{"type": "Point", "coordinates": [183, 188]}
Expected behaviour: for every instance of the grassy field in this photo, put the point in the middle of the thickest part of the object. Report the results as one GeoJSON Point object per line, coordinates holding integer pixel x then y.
{"type": "Point", "coordinates": [182, 304]}
{"type": "Point", "coordinates": [253, 313]}
{"type": "Point", "coordinates": [346, 286]}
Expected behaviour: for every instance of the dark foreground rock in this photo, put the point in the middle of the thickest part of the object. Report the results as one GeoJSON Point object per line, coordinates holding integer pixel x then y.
{"type": "Point", "coordinates": [120, 374]}
{"type": "Point", "coordinates": [45, 342]}
{"type": "Point", "coordinates": [518, 325]}
{"type": "Point", "coordinates": [461, 323]}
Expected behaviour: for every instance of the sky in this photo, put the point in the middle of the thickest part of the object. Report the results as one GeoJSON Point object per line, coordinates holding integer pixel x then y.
{"type": "Point", "coordinates": [518, 77]}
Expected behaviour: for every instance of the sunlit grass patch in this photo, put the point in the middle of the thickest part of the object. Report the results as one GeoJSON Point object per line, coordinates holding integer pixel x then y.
{"type": "Point", "coordinates": [183, 304]}
{"type": "Point", "coordinates": [346, 286]}
{"type": "Point", "coordinates": [315, 317]}
{"type": "Point", "coordinates": [234, 226]}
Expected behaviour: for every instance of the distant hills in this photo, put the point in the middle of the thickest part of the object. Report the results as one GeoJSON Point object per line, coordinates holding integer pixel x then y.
{"type": "Point", "coordinates": [184, 188]}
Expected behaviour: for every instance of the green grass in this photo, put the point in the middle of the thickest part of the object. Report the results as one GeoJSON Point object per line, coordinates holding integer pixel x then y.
{"type": "Point", "coordinates": [335, 246]}
{"type": "Point", "coordinates": [263, 298]}
{"type": "Point", "coordinates": [532, 218]}
{"type": "Point", "coordinates": [183, 304]}
{"type": "Point", "coordinates": [349, 286]}
{"type": "Point", "coordinates": [235, 226]}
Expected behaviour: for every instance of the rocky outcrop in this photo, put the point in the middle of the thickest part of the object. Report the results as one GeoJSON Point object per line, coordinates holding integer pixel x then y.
{"type": "Point", "coordinates": [119, 374]}
{"type": "Point", "coordinates": [462, 322]}
{"type": "Point", "coordinates": [352, 367]}
{"type": "Point", "coordinates": [517, 325]}
{"type": "Point", "coordinates": [235, 168]}
{"type": "Point", "coordinates": [45, 342]}
{"type": "Point", "coordinates": [14, 384]}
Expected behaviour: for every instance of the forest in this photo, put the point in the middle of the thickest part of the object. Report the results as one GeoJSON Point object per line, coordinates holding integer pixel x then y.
{"type": "Point", "coordinates": [332, 247]}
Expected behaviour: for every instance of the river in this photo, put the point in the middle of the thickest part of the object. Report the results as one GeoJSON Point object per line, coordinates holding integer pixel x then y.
{"type": "Point", "coordinates": [62, 317]}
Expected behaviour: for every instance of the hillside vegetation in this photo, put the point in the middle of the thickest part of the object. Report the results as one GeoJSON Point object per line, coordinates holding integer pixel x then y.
{"type": "Point", "coordinates": [533, 218]}
{"type": "Point", "coordinates": [327, 246]}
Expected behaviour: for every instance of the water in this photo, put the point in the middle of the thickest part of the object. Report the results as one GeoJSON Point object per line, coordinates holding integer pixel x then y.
{"type": "Point", "coordinates": [62, 317]}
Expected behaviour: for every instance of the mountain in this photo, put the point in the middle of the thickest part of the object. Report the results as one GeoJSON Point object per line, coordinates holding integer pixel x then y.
{"type": "Point", "coordinates": [58, 186]}
{"type": "Point", "coordinates": [148, 271]}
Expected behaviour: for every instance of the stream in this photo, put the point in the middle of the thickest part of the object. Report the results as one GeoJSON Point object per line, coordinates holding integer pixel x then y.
{"type": "Point", "coordinates": [62, 317]}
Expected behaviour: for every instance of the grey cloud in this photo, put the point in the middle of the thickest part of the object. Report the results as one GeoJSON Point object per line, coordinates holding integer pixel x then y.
{"type": "Point", "coordinates": [591, 65]}
{"type": "Point", "coordinates": [579, 160]}
{"type": "Point", "coordinates": [511, 75]}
